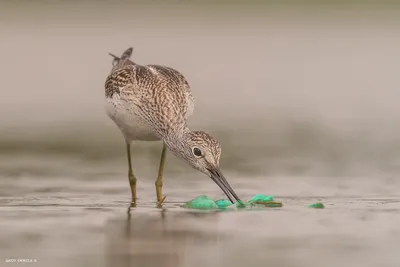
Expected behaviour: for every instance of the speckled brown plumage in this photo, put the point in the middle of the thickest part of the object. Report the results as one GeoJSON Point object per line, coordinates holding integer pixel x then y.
{"type": "Point", "coordinates": [118, 80]}
{"type": "Point", "coordinates": [160, 95]}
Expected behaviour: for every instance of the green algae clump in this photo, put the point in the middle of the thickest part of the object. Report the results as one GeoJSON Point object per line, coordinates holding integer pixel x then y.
{"type": "Point", "coordinates": [202, 202]}
{"type": "Point", "coordinates": [260, 198]}
{"type": "Point", "coordinates": [240, 204]}
{"type": "Point", "coordinates": [264, 200]}
{"type": "Point", "coordinates": [317, 205]}
{"type": "Point", "coordinates": [223, 203]}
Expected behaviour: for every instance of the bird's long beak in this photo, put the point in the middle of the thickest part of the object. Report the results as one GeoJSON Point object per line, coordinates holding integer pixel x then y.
{"type": "Point", "coordinates": [219, 179]}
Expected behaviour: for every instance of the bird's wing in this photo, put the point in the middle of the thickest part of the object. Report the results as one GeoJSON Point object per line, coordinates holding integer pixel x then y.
{"type": "Point", "coordinates": [176, 86]}
{"type": "Point", "coordinates": [118, 80]}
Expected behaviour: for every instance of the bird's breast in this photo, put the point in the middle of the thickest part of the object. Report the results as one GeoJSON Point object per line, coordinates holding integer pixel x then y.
{"type": "Point", "coordinates": [129, 121]}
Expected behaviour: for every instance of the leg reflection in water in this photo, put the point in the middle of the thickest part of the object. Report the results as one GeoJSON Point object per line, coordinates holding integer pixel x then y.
{"type": "Point", "coordinates": [162, 237]}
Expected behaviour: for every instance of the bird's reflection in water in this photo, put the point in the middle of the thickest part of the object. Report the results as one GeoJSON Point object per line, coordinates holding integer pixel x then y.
{"type": "Point", "coordinates": [163, 237]}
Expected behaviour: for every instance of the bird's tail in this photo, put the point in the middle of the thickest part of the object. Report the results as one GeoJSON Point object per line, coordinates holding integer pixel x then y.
{"type": "Point", "coordinates": [123, 60]}
{"type": "Point", "coordinates": [127, 53]}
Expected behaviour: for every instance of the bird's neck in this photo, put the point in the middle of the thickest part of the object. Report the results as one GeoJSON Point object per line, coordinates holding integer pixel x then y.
{"type": "Point", "coordinates": [175, 138]}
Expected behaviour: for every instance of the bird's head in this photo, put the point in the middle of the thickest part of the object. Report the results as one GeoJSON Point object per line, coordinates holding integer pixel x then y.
{"type": "Point", "coordinates": [203, 152]}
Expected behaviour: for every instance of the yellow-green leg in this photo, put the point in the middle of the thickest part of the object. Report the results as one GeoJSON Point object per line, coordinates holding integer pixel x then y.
{"type": "Point", "coordinates": [159, 181]}
{"type": "Point", "coordinates": [131, 176]}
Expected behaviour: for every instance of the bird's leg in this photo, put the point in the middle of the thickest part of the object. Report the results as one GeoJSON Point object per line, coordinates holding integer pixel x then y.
{"type": "Point", "coordinates": [159, 181]}
{"type": "Point", "coordinates": [131, 176]}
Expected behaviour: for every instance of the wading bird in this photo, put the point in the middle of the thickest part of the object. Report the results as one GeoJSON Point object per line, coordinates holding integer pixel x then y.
{"type": "Point", "coordinates": [153, 103]}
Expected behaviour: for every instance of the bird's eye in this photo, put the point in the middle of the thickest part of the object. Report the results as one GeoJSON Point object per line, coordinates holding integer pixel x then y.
{"type": "Point", "coordinates": [114, 62]}
{"type": "Point", "coordinates": [197, 152]}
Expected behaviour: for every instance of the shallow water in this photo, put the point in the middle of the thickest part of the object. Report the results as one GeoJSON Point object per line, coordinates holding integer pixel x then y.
{"type": "Point", "coordinates": [98, 230]}
{"type": "Point", "coordinates": [303, 99]}
{"type": "Point", "coordinates": [83, 220]}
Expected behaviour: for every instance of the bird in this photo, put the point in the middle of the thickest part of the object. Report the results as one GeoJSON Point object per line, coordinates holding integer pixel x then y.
{"type": "Point", "coordinates": [153, 103]}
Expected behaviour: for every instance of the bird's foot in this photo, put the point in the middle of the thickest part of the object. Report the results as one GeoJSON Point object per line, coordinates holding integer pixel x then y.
{"type": "Point", "coordinates": [160, 202]}
{"type": "Point", "coordinates": [133, 203]}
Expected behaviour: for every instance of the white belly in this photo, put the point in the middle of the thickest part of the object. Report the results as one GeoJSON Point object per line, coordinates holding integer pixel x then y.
{"type": "Point", "coordinates": [131, 125]}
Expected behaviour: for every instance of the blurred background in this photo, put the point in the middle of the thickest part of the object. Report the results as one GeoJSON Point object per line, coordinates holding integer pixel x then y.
{"type": "Point", "coordinates": [303, 97]}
